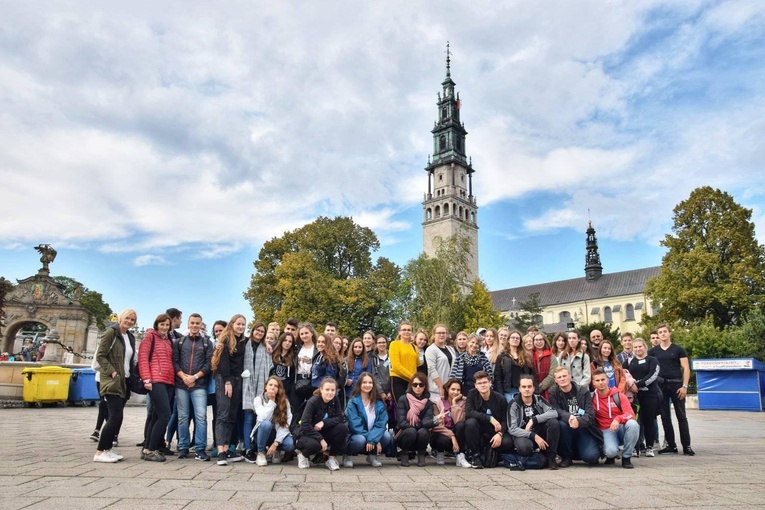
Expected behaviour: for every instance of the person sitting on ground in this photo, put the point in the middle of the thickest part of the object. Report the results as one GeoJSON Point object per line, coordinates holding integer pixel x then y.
{"type": "Point", "coordinates": [367, 420]}
{"type": "Point", "coordinates": [271, 433]}
{"type": "Point", "coordinates": [533, 423]}
{"type": "Point", "coordinates": [614, 416]}
{"type": "Point", "coordinates": [449, 433]}
{"type": "Point", "coordinates": [580, 437]}
{"type": "Point", "coordinates": [415, 419]}
{"type": "Point", "coordinates": [485, 420]}
{"type": "Point", "coordinates": [323, 427]}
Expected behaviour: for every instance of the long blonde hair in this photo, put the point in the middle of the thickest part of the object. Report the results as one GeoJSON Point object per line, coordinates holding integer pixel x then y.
{"type": "Point", "coordinates": [228, 339]}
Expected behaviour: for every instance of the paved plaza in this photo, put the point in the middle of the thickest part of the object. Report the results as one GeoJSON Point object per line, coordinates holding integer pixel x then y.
{"type": "Point", "coordinates": [47, 464]}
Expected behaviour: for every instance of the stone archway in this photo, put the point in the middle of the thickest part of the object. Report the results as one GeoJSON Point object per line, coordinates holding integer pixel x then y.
{"type": "Point", "coordinates": [39, 299]}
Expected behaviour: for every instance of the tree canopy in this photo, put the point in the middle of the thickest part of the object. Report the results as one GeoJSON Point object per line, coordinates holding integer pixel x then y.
{"type": "Point", "coordinates": [714, 266]}
{"type": "Point", "coordinates": [93, 301]}
{"type": "Point", "coordinates": [529, 315]}
{"type": "Point", "coordinates": [324, 272]}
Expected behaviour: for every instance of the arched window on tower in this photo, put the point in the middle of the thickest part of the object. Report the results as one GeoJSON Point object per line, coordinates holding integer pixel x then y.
{"type": "Point", "coordinates": [629, 312]}
{"type": "Point", "coordinates": [442, 143]}
{"type": "Point", "coordinates": [446, 209]}
{"type": "Point", "coordinates": [429, 214]}
{"type": "Point", "coordinates": [472, 217]}
{"type": "Point", "coordinates": [460, 215]}
{"type": "Point", "coordinates": [564, 316]}
{"type": "Point", "coordinates": [607, 316]}
{"type": "Point", "coordinates": [438, 211]}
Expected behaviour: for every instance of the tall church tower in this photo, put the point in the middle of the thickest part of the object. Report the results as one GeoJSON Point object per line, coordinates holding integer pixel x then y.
{"type": "Point", "coordinates": [449, 207]}
{"type": "Point", "coordinates": [592, 266]}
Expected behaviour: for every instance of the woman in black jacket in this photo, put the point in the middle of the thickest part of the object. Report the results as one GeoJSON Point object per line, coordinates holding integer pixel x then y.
{"type": "Point", "coordinates": [323, 427]}
{"type": "Point", "coordinates": [645, 370]}
{"type": "Point", "coordinates": [415, 419]}
{"type": "Point", "coordinates": [511, 364]}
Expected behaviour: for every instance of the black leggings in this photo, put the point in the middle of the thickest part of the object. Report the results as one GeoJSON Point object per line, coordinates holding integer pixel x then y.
{"type": "Point", "coordinates": [443, 443]}
{"type": "Point", "coordinates": [113, 424]}
{"type": "Point", "coordinates": [161, 405]}
{"type": "Point", "coordinates": [398, 387]}
{"type": "Point", "coordinates": [336, 438]}
{"type": "Point", "coordinates": [649, 407]}
{"type": "Point", "coordinates": [228, 409]}
{"type": "Point", "coordinates": [103, 410]}
{"type": "Point", "coordinates": [411, 439]}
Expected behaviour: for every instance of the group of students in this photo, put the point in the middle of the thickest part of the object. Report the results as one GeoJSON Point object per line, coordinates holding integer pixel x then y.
{"type": "Point", "coordinates": [484, 398]}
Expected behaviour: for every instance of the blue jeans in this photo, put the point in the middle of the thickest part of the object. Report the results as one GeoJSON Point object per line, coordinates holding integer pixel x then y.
{"type": "Point", "coordinates": [357, 444]}
{"type": "Point", "coordinates": [266, 435]}
{"type": "Point", "coordinates": [627, 434]}
{"type": "Point", "coordinates": [247, 426]}
{"type": "Point", "coordinates": [197, 397]}
{"type": "Point", "coordinates": [578, 444]}
{"type": "Point", "coordinates": [509, 395]}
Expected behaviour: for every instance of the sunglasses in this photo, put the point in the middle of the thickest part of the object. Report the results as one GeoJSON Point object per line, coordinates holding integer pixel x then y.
{"type": "Point", "coordinates": [418, 385]}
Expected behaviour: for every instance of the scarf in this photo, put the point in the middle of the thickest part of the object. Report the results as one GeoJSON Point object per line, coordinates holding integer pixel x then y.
{"type": "Point", "coordinates": [416, 406]}
{"type": "Point", "coordinates": [469, 359]}
{"type": "Point", "coordinates": [259, 363]}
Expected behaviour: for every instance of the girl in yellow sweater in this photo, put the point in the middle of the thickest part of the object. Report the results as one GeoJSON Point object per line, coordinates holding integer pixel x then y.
{"type": "Point", "coordinates": [403, 361]}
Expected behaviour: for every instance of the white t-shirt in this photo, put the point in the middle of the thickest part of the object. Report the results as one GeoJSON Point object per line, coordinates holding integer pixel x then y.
{"type": "Point", "coordinates": [371, 415]}
{"type": "Point", "coordinates": [305, 360]}
{"type": "Point", "coordinates": [128, 354]}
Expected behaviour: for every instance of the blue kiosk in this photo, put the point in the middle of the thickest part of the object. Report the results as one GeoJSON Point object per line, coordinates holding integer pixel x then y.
{"type": "Point", "coordinates": [736, 384]}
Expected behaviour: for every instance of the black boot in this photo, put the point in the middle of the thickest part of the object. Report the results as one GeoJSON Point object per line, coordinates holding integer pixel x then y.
{"type": "Point", "coordinates": [476, 462]}
{"type": "Point", "coordinates": [627, 463]}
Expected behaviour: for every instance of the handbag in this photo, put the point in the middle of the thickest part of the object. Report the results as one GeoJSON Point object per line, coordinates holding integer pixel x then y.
{"type": "Point", "coordinates": [303, 386]}
{"type": "Point", "coordinates": [490, 457]}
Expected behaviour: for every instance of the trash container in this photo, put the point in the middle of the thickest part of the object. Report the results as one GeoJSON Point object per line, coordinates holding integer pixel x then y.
{"type": "Point", "coordinates": [82, 386]}
{"type": "Point", "coordinates": [736, 384]}
{"type": "Point", "coordinates": [46, 384]}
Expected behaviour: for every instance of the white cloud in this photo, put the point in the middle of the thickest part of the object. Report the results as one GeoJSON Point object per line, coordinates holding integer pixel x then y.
{"type": "Point", "coordinates": [150, 260]}
{"type": "Point", "coordinates": [137, 129]}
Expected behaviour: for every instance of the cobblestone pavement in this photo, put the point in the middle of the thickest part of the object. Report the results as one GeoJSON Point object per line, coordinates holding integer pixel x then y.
{"type": "Point", "coordinates": [47, 464]}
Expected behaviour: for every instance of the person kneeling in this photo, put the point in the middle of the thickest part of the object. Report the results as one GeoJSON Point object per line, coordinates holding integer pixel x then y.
{"type": "Point", "coordinates": [533, 423]}
{"type": "Point", "coordinates": [322, 428]}
{"type": "Point", "coordinates": [485, 421]}
{"type": "Point", "coordinates": [415, 419]}
{"type": "Point", "coordinates": [615, 419]}
{"type": "Point", "coordinates": [367, 419]}
{"type": "Point", "coordinates": [271, 433]}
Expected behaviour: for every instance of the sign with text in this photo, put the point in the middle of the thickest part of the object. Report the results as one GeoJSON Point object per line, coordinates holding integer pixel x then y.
{"type": "Point", "coordinates": [723, 364]}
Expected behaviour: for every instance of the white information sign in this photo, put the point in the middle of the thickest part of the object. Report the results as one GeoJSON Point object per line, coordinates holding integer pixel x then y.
{"type": "Point", "coordinates": [722, 364]}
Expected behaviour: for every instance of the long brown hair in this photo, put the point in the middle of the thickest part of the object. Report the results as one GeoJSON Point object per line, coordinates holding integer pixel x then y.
{"type": "Point", "coordinates": [611, 357]}
{"type": "Point", "coordinates": [519, 349]}
{"type": "Point", "coordinates": [228, 339]}
{"type": "Point", "coordinates": [280, 413]}
{"type": "Point", "coordinates": [284, 359]}
{"type": "Point", "coordinates": [374, 395]}
{"type": "Point", "coordinates": [352, 355]}
{"type": "Point", "coordinates": [330, 355]}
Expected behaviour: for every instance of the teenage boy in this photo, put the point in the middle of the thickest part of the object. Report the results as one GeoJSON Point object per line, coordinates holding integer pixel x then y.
{"type": "Point", "coordinates": [485, 420]}
{"type": "Point", "coordinates": [626, 355]}
{"type": "Point", "coordinates": [614, 416]}
{"type": "Point", "coordinates": [580, 437]}
{"type": "Point", "coordinates": [533, 423]}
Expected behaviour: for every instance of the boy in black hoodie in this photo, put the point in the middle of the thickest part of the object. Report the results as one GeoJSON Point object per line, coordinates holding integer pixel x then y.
{"type": "Point", "coordinates": [533, 423]}
{"type": "Point", "coordinates": [485, 420]}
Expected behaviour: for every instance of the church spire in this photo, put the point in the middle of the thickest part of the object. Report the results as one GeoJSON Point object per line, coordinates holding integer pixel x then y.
{"type": "Point", "coordinates": [448, 61]}
{"type": "Point", "coordinates": [592, 267]}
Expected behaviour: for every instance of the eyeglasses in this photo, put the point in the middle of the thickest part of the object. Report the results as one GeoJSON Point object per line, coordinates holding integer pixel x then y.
{"type": "Point", "coordinates": [440, 332]}
{"type": "Point", "coordinates": [418, 385]}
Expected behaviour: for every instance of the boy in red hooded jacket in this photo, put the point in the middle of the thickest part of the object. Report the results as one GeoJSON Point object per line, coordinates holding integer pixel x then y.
{"type": "Point", "coordinates": [614, 416]}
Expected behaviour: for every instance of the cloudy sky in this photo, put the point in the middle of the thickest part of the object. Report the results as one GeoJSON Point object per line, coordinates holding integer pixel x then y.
{"type": "Point", "coordinates": [158, 147]}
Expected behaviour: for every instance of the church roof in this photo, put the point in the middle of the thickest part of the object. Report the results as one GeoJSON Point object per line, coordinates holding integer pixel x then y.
{"type": "Point", "coordinates": [576, 289]}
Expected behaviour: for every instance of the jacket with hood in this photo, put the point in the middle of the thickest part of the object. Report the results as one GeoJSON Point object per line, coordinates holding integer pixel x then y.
{"type": "Point", "coordinates": [543, 411]}
{"type": "Point", "coordinates": [606, 410]}
{"type": "Point", "coordinates": [160, 368]}
{"type": "Point", "coordinates": [579, 366]}
{"type": "Point", "coordinates": [316, 410]}
{"type": "Point", "coordinates": [358, 423]}
{"type": "Point", "coordinates": [110, 355]}
{"type": "Point", "coordinates": [507, 373]}
{"type": "Point", "coordinates": [426, 415]}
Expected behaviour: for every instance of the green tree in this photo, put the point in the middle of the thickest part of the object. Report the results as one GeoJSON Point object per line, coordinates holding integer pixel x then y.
{"type": "Point", "coordinates": [93, 301]}
{"type": "Point", "coordinates": [531, 311]}
{"type": "Point", "coordinates": [323, 272]}
{"type": "Point", "coordinates": [5, 288]}
{"type": "Point", "coordinates": [435, 288]}
{"type": "Point", "coordinates": [479, 310]}
{"type": "Point", "coordinates": [713, 266]}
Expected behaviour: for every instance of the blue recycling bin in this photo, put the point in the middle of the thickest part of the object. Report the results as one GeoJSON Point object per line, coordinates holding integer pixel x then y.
{"type": "Point", "coordinates": [736, 384]}
{"type": "Point", "coordinates": [82, 386]}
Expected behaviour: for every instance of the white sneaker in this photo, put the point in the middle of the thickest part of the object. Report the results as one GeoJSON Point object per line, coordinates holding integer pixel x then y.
{"type": "Point", "coordinates": [261, 460]}
{"type": "Point", "coordinates": [373, 461]}
{"type": "Point", "coordinates": [332, 464]}
{"type": "Point", "coordinates": [278, 456]}
{"type": "Point", "coordinates": [104, 457]}
{"type": "Point", "coordinates": [462, 461]}
{"type": "Point", "coordinates": [303, 462]}
{"type": "Point", "coordinates": [440, 458]}
{"type": "Point", "coordinates": [347, 462]}
{"type": "Point", "coordinates": [649, 452]}
{"type": "Point", "coordinates": [115, 455]}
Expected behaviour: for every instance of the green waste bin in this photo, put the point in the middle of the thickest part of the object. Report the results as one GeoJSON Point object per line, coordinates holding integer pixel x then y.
{"type": "Point", "coordinates": [46, 384]}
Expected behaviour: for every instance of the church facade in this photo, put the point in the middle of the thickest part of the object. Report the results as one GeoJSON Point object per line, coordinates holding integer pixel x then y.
{"type": "Point", "coordinates": [616, 298]}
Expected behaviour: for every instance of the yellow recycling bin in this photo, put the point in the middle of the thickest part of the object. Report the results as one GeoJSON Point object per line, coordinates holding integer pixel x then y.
{"type": "Point", "coordinates": [46, 384]}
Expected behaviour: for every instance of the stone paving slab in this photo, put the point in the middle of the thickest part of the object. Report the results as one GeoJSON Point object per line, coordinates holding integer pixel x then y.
{"type": "Point", "coordinates": [55, 471]}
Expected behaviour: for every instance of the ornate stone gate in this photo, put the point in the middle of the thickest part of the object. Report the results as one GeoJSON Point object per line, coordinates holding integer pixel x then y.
{"type": "Point", "coordinates": [39, 299]}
